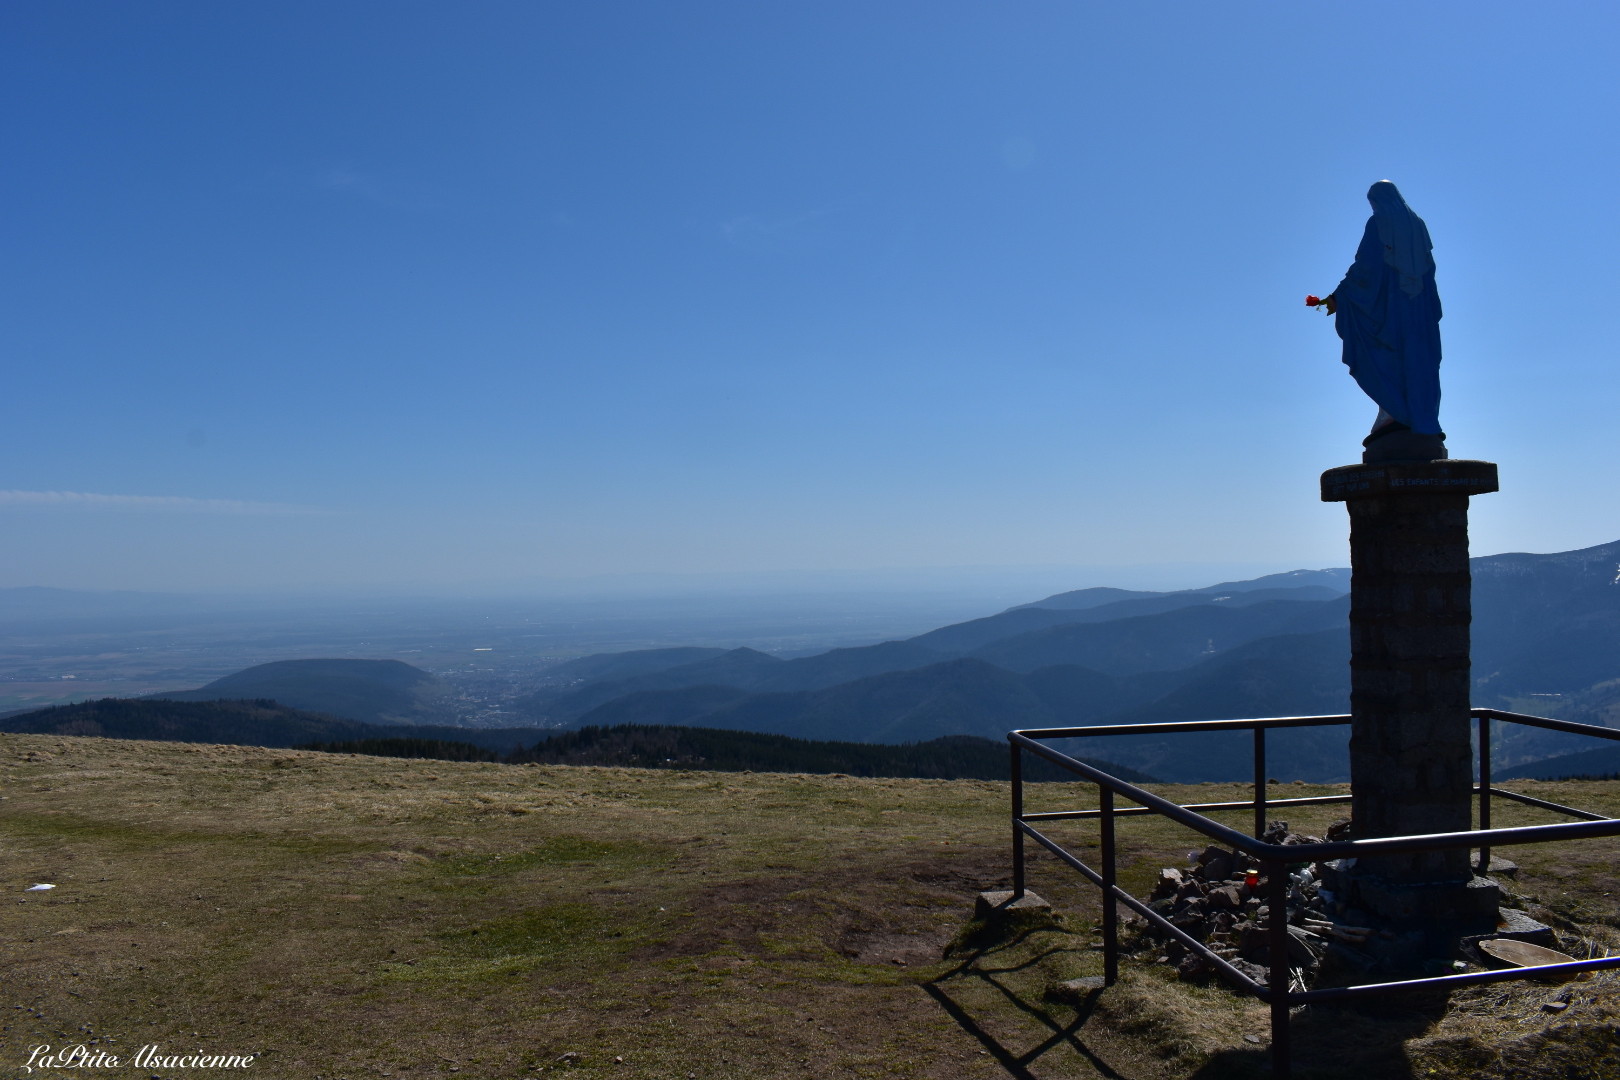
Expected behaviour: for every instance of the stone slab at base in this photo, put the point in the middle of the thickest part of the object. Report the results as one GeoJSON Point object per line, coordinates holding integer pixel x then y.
{"type": "Point", "coordinates": [1518, 926]}
{"type": "Point", "coordinates": [1000, 904]}
{"type": "Point", "coordinates": [1499, 867]}
{"type": "Point", "coordinates": [1502, 953]}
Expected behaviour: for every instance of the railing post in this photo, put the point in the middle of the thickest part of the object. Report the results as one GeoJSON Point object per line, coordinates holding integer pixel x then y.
{"type": "Point", "coordinates": [1259, 782]}
{"type": "Point", "coordinates": [1277, 925]}
{"type": "Point", "coordinates": [1105, 802]}
{"type": "Point", "coordinates": [1484, 788]}
{"type": "Point", "coordinates": [1017, 818]}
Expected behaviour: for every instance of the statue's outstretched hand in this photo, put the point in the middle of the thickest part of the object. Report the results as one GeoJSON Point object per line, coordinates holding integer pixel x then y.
{"type": "Point", "coordinates": [1327, 302]}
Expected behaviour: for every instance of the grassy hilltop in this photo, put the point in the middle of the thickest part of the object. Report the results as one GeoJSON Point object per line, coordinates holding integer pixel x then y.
{"type": "Point", "coordinates": [353, 916]}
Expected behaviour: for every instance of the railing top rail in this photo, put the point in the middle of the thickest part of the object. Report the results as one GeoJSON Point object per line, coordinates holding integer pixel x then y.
{"type": "Point", "coordinates": [1548, 722]}
{"type": "Point", "coordinates": [1186, 725]}
{"type": "Point", "coordinates": [1346, 849]}
{"type": "Point", "coordinates": [1172, 727]}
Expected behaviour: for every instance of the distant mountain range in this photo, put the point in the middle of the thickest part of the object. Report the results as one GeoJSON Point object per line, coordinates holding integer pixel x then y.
{"type": "Point", "coordinates": [1546, 640]}
{"type": "Point", "coordinates": [1227, 652]}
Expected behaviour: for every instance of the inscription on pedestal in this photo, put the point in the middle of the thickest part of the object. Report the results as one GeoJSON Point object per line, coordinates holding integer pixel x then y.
{"type": "Point", "coordinates": [1360, 481]}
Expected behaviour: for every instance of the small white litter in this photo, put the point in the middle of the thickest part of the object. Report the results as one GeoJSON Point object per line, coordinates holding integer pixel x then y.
{"type": "Point", "coordinates": [39, 888]}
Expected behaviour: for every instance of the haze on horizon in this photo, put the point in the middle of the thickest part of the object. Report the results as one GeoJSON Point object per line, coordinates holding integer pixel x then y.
{"type": "Point", "coordinates": [424, 297]}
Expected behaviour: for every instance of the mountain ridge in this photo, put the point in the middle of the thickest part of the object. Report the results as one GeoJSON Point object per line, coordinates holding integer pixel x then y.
{"type": "Point", "coordinates": [369, 691]}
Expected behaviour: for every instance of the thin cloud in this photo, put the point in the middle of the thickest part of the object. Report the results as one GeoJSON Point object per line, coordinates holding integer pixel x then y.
{"type": "Point", "coordinates": [172, 503]}
{"type": "Point", "coordinates": [751, 231]}
{"type": "Point", "coordinates": [382, 190]}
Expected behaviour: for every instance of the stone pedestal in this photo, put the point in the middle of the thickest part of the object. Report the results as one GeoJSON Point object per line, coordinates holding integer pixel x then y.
{"type": "Point", "coordinates": [1411, 766]}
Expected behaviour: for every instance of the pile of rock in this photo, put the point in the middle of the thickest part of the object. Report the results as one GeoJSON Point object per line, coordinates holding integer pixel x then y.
{"type": "Point", "coordinates": [1219, 899]}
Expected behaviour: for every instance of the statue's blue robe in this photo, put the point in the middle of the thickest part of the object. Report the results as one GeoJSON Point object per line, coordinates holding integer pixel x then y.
{"type": "Point", "coordinates": [1391, 340]}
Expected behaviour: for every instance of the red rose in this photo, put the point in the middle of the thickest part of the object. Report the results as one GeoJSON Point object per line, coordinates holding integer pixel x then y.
{"type": "Point", "coordinates": [1312, 301]}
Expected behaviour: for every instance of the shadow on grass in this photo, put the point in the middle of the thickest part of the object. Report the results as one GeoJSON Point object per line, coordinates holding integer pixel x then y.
{"type": "Point", "coordinates": [1328, 1043]}
{"type": "Point", "coordinates": [1347, 1043]}
{"type": "Point", "coordinates": [978, 969]}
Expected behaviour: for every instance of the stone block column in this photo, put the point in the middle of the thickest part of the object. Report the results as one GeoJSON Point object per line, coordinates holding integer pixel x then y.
{"type": "Point", "coordinates": [1411, 762]}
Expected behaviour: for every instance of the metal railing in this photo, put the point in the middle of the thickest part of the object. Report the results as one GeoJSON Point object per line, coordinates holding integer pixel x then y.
{"type": "Point", "coordinates": [1274, 858]}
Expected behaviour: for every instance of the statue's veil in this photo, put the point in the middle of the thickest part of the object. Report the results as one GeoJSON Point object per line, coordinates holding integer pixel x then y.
{"type": "Point", "coordinates": [1405, 238]}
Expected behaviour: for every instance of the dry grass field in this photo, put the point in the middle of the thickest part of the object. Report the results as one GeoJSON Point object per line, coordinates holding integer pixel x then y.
{"type": "Point", "coordinates": [347, 917]}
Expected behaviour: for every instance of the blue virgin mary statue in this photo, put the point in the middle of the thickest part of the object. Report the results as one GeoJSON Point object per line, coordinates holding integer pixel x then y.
{"type": "Point", "coordinates": [1388, 314]}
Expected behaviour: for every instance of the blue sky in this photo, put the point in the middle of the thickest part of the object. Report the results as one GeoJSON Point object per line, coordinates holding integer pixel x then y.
{"type": "Point", "coordinates": [404, 295]}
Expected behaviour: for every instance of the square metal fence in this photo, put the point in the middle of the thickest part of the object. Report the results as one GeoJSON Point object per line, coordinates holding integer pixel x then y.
{"type": "Point", "coordinates": [1274, 858]}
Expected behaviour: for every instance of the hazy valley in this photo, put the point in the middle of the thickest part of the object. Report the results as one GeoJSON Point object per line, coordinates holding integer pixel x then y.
{"type": "Point", "coordinates": [1546, 640]}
